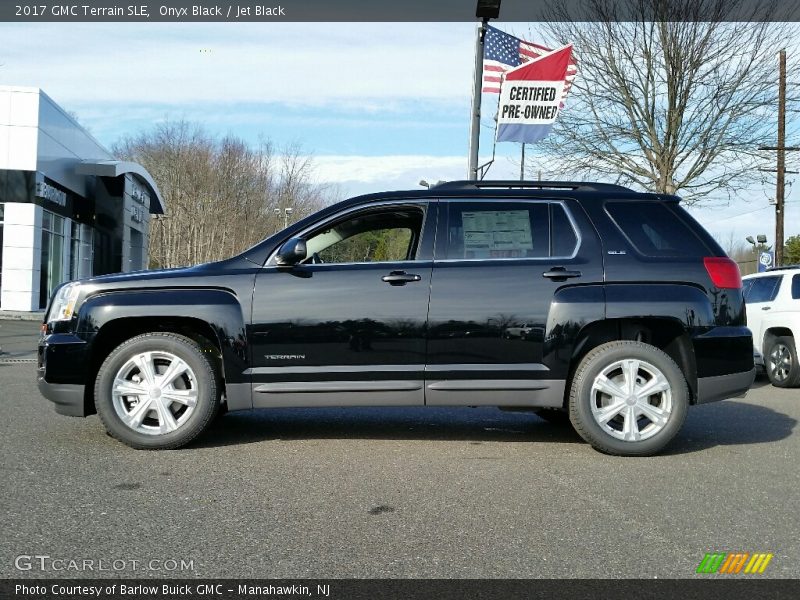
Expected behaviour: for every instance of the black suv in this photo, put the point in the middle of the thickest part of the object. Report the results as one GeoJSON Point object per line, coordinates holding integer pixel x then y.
{"type": "Point", "coordinates": [585, 301]}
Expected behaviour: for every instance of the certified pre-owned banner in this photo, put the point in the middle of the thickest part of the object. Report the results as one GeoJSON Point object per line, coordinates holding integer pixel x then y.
{"type": "Point", "coordinates": [530, 97]}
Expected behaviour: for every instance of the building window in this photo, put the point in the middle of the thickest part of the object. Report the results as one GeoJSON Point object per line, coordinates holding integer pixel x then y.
{"type": "Point", "coordinates": [81, 251]}
{"type": "Point", "coordinates": [52, 272]}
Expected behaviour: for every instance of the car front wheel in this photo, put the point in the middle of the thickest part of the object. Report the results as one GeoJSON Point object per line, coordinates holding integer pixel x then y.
{"type": "Point", "coordinates": [628, 398]}
{"type": "Point", "coordinates": [157, 391]}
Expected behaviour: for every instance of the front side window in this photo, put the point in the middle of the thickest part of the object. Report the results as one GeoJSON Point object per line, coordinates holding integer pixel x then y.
{"type": "Point", "coordinates": [375, 236]}
{"type": "Point", "coordinates": [762, 289]}
{"type": "Point", "coordinates": [796, 287]}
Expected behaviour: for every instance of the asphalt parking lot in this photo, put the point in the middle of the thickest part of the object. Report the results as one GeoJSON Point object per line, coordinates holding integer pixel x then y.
{"type": "Point", "coordinates": [394, 493]}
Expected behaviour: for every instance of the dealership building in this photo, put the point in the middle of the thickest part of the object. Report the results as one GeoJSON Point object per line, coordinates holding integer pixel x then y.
{"type": "Point", "coordinates": [68, 208]}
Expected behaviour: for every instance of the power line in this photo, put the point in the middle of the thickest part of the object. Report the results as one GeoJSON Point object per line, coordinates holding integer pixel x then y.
{"type": "Point", "coordinates": [752, 211]}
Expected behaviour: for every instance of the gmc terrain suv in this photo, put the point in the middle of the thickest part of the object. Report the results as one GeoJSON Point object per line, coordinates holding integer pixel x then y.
{"type": "Point", "coordinates": [581, 300]}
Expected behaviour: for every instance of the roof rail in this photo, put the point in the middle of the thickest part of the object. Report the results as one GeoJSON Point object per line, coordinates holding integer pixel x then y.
{"type": "Point", "coordinates": [588, 186]}
{"type": "Point", "coordinates": [784, 268]}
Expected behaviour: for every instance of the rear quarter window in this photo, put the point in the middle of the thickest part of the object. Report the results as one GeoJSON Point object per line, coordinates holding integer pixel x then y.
{"type": "Point", "coordinates": [796, 287]}
{"type": "Point", "coordinates": [655, 230]}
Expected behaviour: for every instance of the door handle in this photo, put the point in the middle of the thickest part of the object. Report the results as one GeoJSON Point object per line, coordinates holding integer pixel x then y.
{"type": "Point", "coordinates": [766, 307]}
{"type": "Point", "coordinates": [400, 278]}
{"type": "Point", "coordinates": [560, 274]}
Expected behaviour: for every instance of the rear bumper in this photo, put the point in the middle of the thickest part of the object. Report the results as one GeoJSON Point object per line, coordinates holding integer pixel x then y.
{"type": "Point", "coordinates": [721, 387]}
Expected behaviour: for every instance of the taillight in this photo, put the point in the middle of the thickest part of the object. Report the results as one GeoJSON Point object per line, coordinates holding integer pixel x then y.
{"type": "Point", "coordinates": [724, 272]}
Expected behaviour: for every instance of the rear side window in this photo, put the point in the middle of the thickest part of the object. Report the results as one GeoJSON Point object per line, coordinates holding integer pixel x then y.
{"type": "Point", "coordinates": [498, 230]}
{"type": "Point", "coordinates": [654, 230]}
{"type": "Point", "coordinates": [562, 234]}
{"type": "Point", "coordinates": [488, 230]}
{"type": "Point", "coordinates": [796, 287]}
{"type": "Point", "coordinates": [762, 289]}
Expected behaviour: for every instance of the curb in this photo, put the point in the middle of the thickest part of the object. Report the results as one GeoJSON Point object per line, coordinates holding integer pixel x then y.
{"type": "Point", "coordinates": [12, 315]}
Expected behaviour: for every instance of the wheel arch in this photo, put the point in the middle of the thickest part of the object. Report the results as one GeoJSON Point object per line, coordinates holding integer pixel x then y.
{"type": "Point", "coordinates": [665, 333]}
{"type": "Point", "coordinates": [771, 334]}
{"type": "Point", "coordinates": [216, 320]}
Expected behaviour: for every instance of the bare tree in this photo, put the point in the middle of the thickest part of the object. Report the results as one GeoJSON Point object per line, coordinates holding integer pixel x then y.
{"type": "Point", "coordinates": [221, 194]}
{"type": "Point", "coordinates": [674, 100]}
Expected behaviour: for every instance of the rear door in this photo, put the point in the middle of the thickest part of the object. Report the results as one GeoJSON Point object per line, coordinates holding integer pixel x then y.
{"type": "Point", "coordinates": [498, 266]}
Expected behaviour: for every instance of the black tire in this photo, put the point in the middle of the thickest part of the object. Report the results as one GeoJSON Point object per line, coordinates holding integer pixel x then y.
{"type": "Point", "coordinates": [555, 416]}
{"type": "Point", "coordinates": [200, 359]}
{"type": "Point", "coordinates": [781, 350]}
{"type": "Point", "coordinates": [580, 401]}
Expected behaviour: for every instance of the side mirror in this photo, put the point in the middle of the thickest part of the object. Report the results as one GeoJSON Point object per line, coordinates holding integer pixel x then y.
{"type": "Point", "coordinates": [292, 252]}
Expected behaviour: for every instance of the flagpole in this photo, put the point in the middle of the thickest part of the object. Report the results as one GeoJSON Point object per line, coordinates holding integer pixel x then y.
{"type": "Point", "coordinates": [522, 164]}
{"type": "Point", "coordinates": [475, 125]}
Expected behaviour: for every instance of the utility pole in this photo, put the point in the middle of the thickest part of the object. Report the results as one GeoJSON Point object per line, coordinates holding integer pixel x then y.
{"type": "Point", "coordinates": [485, 10]}
{"type": "Point", "coordinates": [781, 149]}
{"type": "Point", "coordinates": [781, 166]}
{"type": "Point", "coordinates": [522, 164]}
{"type": "Point", "coordinates": [475, 124]}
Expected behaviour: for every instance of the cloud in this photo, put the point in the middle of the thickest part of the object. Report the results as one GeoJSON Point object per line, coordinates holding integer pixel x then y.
{"type": "Point", "coordinates": [361, 64]}
{"type": "Point", "coordinates": [367, 174]}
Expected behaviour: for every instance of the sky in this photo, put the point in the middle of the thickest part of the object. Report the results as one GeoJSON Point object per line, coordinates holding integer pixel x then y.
{"type": "Point", "coordinates": [378, 105]}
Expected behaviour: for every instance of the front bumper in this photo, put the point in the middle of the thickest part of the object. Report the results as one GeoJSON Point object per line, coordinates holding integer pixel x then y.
{"type": "Point", "coordinates": [61, 373]}
{"type": "Point", "coordinates": [722, 387]}
{"type": "Point", "coordinates": [68, 397]}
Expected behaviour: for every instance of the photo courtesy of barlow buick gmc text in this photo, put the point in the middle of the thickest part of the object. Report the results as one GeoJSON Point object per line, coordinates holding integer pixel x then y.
{"type": "Point", "coordinates": [475, 299]}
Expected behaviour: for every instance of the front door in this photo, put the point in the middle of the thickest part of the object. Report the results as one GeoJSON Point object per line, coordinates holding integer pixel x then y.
{"type": "Point", "coordinates": [498, 266]}
{"type": "Point", "coordinates": [347, 326]}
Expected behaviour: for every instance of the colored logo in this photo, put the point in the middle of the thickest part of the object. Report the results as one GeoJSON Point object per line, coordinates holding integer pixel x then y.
{"type": "Point", "coordinates": [733, 563]}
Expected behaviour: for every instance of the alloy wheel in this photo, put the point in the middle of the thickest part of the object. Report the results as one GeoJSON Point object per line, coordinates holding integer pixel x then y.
{"type": "Point", "coordinates": [631, 400]}
{"type": "Point", "coordinates": [154, 393]}
{"type": "Point", "coordinates": [780, 362]}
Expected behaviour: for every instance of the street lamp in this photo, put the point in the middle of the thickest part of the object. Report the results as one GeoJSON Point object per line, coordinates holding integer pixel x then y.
{"type": "Point", "coordinates": [488, 9]}
{"type": "Point", "coordinates": [760, 239]}
{"type": "Point", "coordinates": [286, 212]}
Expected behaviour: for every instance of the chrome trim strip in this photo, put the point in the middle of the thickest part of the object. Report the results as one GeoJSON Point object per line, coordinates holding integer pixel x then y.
{"type": "Point", "coordinates": [317, 387]}
{"type": "Point", "coordinates": [333, 369]}
{"type": "Point", "coordinates": [488, 385]}
{"type": "Point", "coordinates": [396, 368]}
{"type": "Point", "coordinates": [487, 367]}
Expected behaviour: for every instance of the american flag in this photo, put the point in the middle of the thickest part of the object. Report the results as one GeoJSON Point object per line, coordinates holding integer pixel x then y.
{"type": "Point", "coordinates": [502, 52]}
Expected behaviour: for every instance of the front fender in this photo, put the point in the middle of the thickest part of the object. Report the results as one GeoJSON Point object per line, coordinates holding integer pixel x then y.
{"type": "Point", "coordinates": [218, 308]}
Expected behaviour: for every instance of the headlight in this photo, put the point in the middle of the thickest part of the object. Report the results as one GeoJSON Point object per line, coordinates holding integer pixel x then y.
{"type": "Point", "coordinates": [64, 303]}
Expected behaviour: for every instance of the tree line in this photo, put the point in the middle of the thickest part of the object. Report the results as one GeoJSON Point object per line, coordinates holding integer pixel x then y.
{"type": "Point", "coordinates": [222, 194]}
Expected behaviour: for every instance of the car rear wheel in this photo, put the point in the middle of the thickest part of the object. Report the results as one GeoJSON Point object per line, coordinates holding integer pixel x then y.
{"type": "Point", "coordinates": [628, 398]}
{"type": "Point", "coordinates": [157, 391]}
{"type": "Point", "coordinates": [781, 362]}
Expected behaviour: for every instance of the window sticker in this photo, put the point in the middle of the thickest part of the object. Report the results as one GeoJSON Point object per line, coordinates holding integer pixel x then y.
{"type": "Point", "coordinates": [497, 234]}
